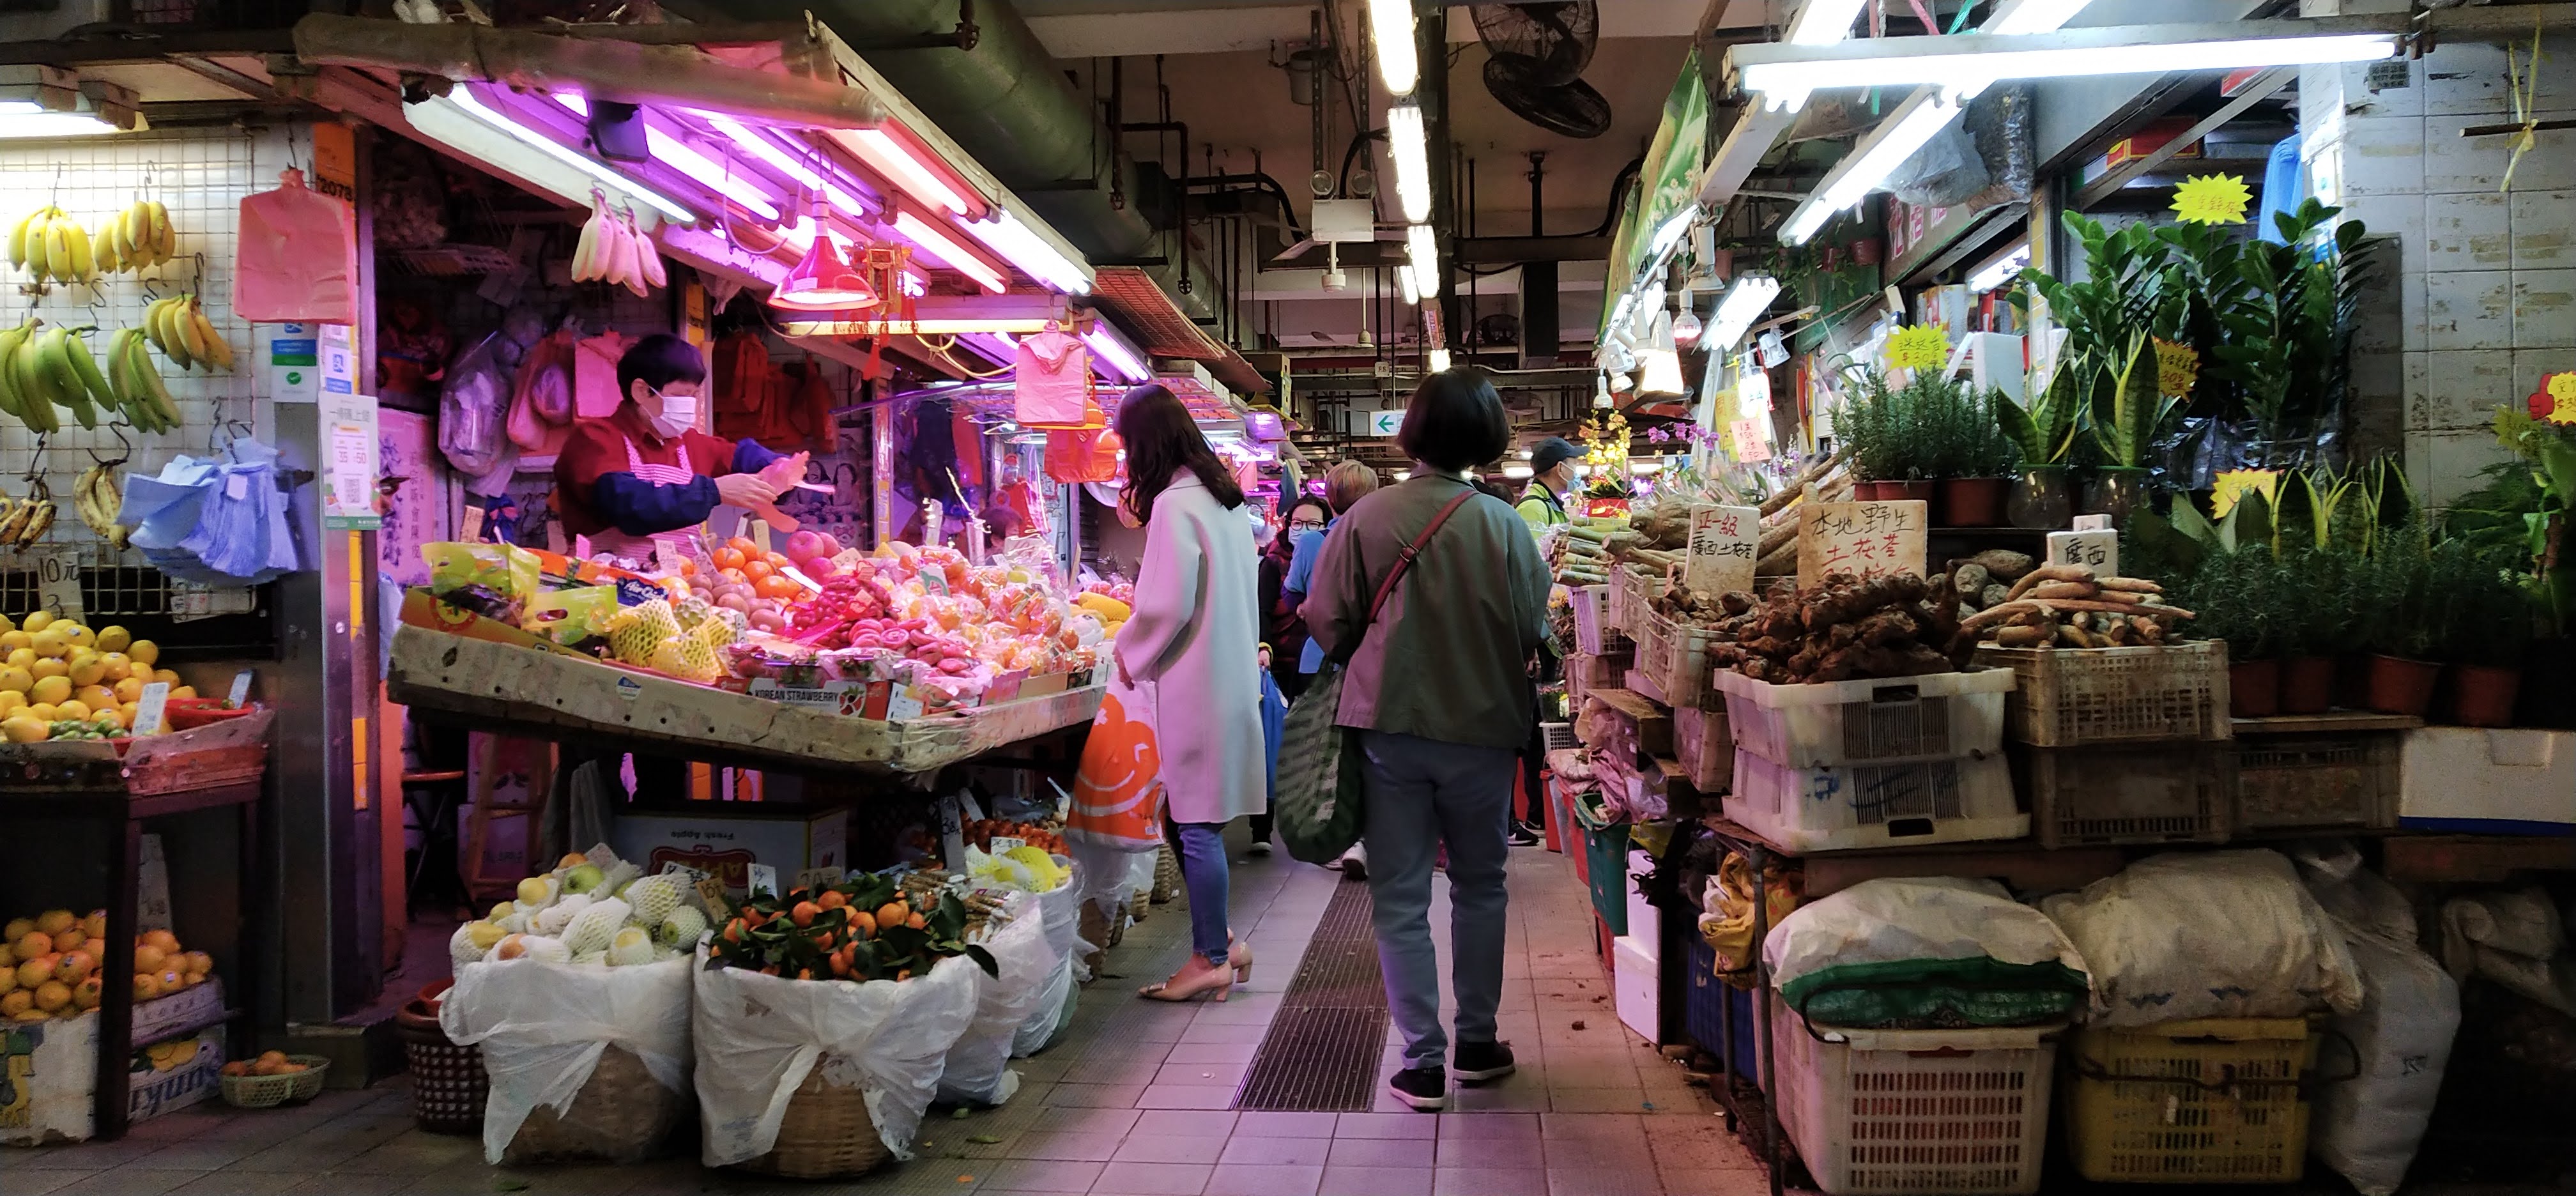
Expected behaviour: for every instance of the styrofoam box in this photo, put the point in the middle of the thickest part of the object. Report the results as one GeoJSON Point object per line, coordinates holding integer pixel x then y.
{"type": "Point", "coordinates": [1912, 1111]}
{"type": "Point", "coordinates": [53, 1076]}
{"type": "Point", "coordinates": [1876, 805]}
{"type": "Point", "coordinates": [1639, 1008]}
{"type": "Point", "coordinates": [1645, 922]}
{"type": "Point", "coordinates": [2492, 781]}
{"type": "Point", "coordinates": [1938, 716]}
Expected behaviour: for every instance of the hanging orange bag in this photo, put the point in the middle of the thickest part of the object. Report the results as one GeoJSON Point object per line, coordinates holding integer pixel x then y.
{"type": "Point", "coordinates": [1082, 456]}
{"type": "Point", "coordinates": [1118, 787]}
{"type": "Point", "coordinates": [298, 260]}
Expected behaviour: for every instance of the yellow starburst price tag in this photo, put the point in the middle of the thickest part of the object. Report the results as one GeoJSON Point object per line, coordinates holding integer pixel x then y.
{"type": "Point", "coordinates": [2562, 392]}
{"type": "Point", "coordinates": [2234, 484]}
{"type": "Point", "coordinates": [2177, 368]}
{"type": "Point", "coordinates": [1923, 348]}
{"type": "Point", "coordinates": [2212, 199]}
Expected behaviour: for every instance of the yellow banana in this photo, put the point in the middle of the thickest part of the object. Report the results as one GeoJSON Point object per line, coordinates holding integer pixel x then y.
{"type": "Point", "coordinates": [164, 240]}
{"type": "Point", "coordinates": [218, 354]}
{"type": "Point", "coordinates": [83, 259]}
{"type": "Point", "coordinates": [18, 238]}
{"type": "Point", "coordinates": [174, 333]}
{"type": "Point", "coordinates": [110, 260]}
{"type": "Point", "coordinates": [131, 225]}
{"type": "Point", "coordinates": [192, 331]}
{"type": "Point", "coordinates": [58, 249]}
{"type": "Point", "coordinates": [37, 525]}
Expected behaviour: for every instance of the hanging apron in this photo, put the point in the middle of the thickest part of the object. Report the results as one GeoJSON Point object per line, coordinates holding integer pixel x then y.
{"type": "Point", "coordinates": [671, 547]}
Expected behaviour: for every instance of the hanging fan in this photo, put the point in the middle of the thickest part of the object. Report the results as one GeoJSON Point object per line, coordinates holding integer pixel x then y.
{"type": "Point", "coordinates": [1500, 328]}
{"type": "Point", "coordinates": [1573, 109]}
{"type": "Point", "coordinates": [1556, 37]}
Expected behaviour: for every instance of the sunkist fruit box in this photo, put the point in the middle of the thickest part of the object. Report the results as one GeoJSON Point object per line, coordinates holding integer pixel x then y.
{"type": "Point", "coordinates": [49, 1075]}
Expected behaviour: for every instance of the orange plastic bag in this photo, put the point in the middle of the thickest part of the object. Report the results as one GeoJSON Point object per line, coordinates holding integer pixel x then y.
{"type": "Point", "coordinates": [1082, 456]}
{"type": "Point", "coordinates": [298, 260]}
{"type": "Point", "coordinates": [1118, 787]}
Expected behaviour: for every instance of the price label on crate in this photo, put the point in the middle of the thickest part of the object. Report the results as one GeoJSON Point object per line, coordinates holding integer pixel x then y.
{"type": "Point", "coordinates": [58, 584]}
{"type": "Point", "coordinates": [148, 711]}
{"type": "Point", "coordinates": [810, 879]}
{"type": "Point", "coordinates": [759, 879]}
{"type": "Point", "coordinates": [1723, 541]}
{"type": "Point", "coordinates": [1864, 538]}
{"type": "Point", "coordinates": [2097, 551]}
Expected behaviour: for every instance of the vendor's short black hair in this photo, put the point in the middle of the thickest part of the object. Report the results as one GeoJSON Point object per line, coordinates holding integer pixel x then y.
{"type": "Point", "coordinates": [658, 361]}
{"type": "Point", "coordinates": [1455, 421]}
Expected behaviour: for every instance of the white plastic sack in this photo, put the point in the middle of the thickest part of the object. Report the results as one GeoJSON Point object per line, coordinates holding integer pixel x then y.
{"type": "Point", "coordinates": [543, 1027]}
{"type": "Point", "coordinates": [2514, 939]}
{"type": "Point", "coordinates": [2351, 893]}
{"type": "Point", "coordinates": [2217, 934]}
{"type": "Point", "coordinates": [1912, 918]}
{"type": "Point", "coordinates": [2367, 1127]}
{"type": "Point", "coordinates": [758, 1037]}
{"type": "Point", "coordinates": [1061, 910]}
{"type": "Point", "coordinates": [977, 1071]}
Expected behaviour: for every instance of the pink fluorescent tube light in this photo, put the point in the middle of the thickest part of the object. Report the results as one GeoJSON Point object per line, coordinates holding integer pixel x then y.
{"type": "Point", "coordinates": [680, 156]}
{"type": "Point", "coordinates": [892, 158]}
{"type": "Point", "coordinates": [465, 100]}
{"type": "Point", "coordinates": [1020, 245]}
{"type": "Point", "coordinates": [784, 162]}
{"type": "Point", "coordinates": [935, 241]}
{"type": "Point", "coordinates": [1112, 352]}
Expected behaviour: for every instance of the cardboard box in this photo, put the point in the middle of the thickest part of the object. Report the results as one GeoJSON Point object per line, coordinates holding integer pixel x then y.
{"type": "Point", "coordinates": [49, 1077]}
{"type": "Point", "coordinates": [789, 840]}
{"type": "Point", "coordinates": [2148, 140]}
{"type": "Point", "coordinates": [1645, 922]}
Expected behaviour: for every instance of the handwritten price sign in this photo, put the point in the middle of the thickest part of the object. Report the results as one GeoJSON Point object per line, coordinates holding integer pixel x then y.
{"type": "Point", "coordinates": [1722, 545]}
{"type": "Point", "coordinates": [1865, 538]}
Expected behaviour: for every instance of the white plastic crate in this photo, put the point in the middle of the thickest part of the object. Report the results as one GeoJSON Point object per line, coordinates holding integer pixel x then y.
{"type": "Point", "coordinates": [1557, 737]}
{"type": "Point", "coordinates": [1639, 1002]}
{"type": "Point", "coordinates": [1645, 922]}
{"type": "Point", "coordinates": [1875, 805]}
{"type": "Point", "coordinates": [1889, 720]}
{"type": "Point", "coordinates": [1595, 632]}
{"type": "Point", "coordinates": [2479, 781]}
{"type": "Point", "coordinates": [1908, 1111]}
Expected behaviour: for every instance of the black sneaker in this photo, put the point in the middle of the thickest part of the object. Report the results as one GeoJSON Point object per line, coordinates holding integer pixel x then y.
{"type": "Point", "coordinates": [1523, 836]}
{"type": "Point", "coordinates": [1425, 1088]}
{"type": "Point", "coordinates": [1477, 1062]}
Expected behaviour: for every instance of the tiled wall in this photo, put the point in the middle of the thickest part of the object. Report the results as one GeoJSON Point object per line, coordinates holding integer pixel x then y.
{"type": "Point", "coordinates": [2486, 277]}
{"type": "Point", "coordinates": [201, 176]}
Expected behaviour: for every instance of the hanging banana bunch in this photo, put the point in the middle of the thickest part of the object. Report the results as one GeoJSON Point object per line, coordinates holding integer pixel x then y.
{"type": "Point", "coordinates": [52, 247]}
{"type": "Point", "coordinates": [26, 521]}
{"type": "Point", "coordinates": [613, 250]}
{"type": "Point", "coordinates": [99, 497]}
{"type": "Point", "coordinates": [142, 236]}
{"type": "Point", "coordinates": [135, 381]}
{"type": "Point", "coordinates": [179, 328]}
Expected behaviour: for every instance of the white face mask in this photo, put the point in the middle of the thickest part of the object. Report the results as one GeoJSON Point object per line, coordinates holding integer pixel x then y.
{"type": "Point", "coordinates": [679, 414]}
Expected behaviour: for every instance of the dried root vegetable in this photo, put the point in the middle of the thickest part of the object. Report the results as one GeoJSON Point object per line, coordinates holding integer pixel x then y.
{"type": "Point", "coordinates": [2049, 573]}
{"type": "Point", "coordinates": [1846, 628]}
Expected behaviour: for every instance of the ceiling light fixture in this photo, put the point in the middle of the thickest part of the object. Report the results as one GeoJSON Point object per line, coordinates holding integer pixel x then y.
{"type": "Point", "coordinates": [464, 100]}
{"type": "Point", "coordinates": [1391, 30]}
{"type": "Point", "coordinates": [1436, 361]}
{"type": "Point", "coordinates": [1915, 122]}
{"type": "Point", "coordinates": [785, 163]}
{"type": "Point", "coordinates": [1746, 300]}
{"type": "Point", "coordinates": [1407, 145]}
{"type": "Point", "coordinates": [1404, 285]}
{"type": "Point", "coordinates": [1519, 471]}
{"type": "Point", "coordinates": [1422, 253]}
{"type": "Point", "coordinates": [871, 326]}
{"type": "Point", "coordinates": [1999, 271]}
{"type": "Point", "coordinates": [1021, 245]}
{"type": "Point", "coordinates": [895, 160]}
{"type": "Point", "coordinates": [1112, 350]}
{"type": "Point", "coordinates": [1966, 63]}
{"type": "Point", "coordinates": [934, 241]}
{"type": "Point", "coordinates": [824, 281]}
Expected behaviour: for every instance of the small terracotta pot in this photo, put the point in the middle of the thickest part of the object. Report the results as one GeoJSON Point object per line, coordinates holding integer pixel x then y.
{"type": "Point", "coordinates": [2254, 688]}
{"type": "Point", "coordinates": [1972, 502]}
{"type": "Point", "coordinates": [2307, 684]}
{"type": "Point", "coordinates": [2352, 681]}
{"type": "Point", "coordinates": [1891, 491]}
{"type": "Point", "coordinates": [1864, 251]}
{"type": "Point", "coordinates": [2401, 686]}
{"type": "Point", "coordinates": [2482, 696]}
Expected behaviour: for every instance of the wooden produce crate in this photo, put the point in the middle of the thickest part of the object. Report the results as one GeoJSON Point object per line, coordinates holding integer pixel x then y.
{"type": "Point", "coordinates": [2067, 697]}
{"type": "Point", "coordinates": [2102, 796]}
{"type": "Point", "coordinates": [218, 755]}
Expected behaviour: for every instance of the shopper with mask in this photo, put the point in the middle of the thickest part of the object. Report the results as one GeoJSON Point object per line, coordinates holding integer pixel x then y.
{"type": "Point", "coordinates": [1542, 503]}
{"type": "Point", "coordinates": [644, 477]}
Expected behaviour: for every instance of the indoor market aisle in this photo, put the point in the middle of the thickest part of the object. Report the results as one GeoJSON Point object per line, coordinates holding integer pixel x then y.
{"type": "Point", "coordinates": [1138, 1100]}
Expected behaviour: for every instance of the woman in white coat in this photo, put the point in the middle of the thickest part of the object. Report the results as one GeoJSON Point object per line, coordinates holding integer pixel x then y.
{"type": "Point", "coordinates": [1190, 648]}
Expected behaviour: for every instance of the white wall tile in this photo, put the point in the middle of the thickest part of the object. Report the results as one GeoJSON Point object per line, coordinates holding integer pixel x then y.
{"type": "Point", "coordinates": [2468, 309]}
{"type": "Point", "coordinates": [2461, 390]}
{"type": "Point", "coordinates": [2544, 228]}
{"type": "Point", "coordinates": [2383, 155]}
{"type": "Point", "coordinates": [2418, 378]}
{"type": "Point", "coordinates": [2544, 309]}
{"type": "Point", "coordinates": [2452, 463]}
{"type": "Point", "coordinates": [2467, 232]}
{"type": "Point", "coordinates": [2529, 367]}
{"type": "Point", "coordinates": [2465, 78]}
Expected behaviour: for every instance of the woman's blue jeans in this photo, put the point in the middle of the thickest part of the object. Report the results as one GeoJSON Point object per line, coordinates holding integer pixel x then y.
{"type": "Point", "coordinates": [1203, 870]}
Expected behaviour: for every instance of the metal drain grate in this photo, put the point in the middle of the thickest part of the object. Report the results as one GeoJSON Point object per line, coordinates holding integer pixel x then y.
{"type": "Point", "coordinates": [1321, 1054]}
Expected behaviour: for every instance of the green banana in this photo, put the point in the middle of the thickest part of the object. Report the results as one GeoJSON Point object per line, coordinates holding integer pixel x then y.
{"type": "Point", "coordinates": [85, 368]}
{"type": "Point", "coordinates": [148, 387]}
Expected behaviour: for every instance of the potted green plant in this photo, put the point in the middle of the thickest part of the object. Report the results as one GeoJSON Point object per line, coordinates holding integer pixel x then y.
{"type": "Point", "coordinates": [2396, 617]}
{"type": "Point", "coordinates": [2041, 433]}
{"type": "Point", "coordinates": [1976, 461]}
{"type": "Point", "coordinates": [2316, 627]}
{"type": "Point", "coordinates": [1888, 438]}
{"type": "Point", "coordinates": [2126, 416]}
{"type": "Point", "coordinates": [2483, 612]}
{"type": "Point", "coordinates": [2236, 596]}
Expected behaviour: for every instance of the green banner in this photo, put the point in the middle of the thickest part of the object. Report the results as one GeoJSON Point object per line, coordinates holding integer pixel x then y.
{"type": "Point", "coordinates": [1667, 183]}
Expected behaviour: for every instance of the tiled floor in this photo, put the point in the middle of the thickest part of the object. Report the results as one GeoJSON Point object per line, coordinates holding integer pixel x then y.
{"type": "Point", "coordinates": [1134, 1102]}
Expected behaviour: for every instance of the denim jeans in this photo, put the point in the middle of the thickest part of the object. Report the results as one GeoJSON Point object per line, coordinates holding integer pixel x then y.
{"type": "Point", "coordinates": [1424, 794]}
{"type": "Point", "coordinates": [1203, 871]}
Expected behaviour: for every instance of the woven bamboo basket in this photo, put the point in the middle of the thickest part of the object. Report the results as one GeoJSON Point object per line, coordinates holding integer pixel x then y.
{"type": "Point", "coordinates": [825, 1133]}
{"type": "Point", "coordinates": [622, 1115]}
{"type": "Point", "coordinates": [1167, 875]}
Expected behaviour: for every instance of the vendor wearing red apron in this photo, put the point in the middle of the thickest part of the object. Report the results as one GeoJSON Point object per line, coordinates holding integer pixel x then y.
{"type": "Point", "coordinates": [644, 478]}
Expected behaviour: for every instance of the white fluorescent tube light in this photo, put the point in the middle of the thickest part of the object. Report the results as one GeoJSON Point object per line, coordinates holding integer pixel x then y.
{"type": "Point", "coordinates": [2032, 16]}
{"type": "Point", "coordinates": [890, 158]}
{"type": "Point", "coordinates": [1391, 30]}
{"type": "Point", "coordinates": [786, 163]}
{"type": "Point", "coordinates": [1113, 351]}
{"type": "Point", "coordinates": [1922, 116]}
{"type": "Point", "coordinates": [935, 241]}
{"type": "Point", "coordinates": [1437, 360]}
{"type": "Point", "coordinates": [1744, 303]}
{"type": "Point", "coordinates": [1007, 235]}
{"type": "Point", "coordinates": [1519, 471]}
{"type": "Point", "coordinates": [464, 100]}
{"type": "Point", "coordinates": [1999, 271]}
{"type": "Point", "coordinates": [863, 326]}
{"type": "Point", "coordinates": [1422, 252]}
{"type": "Point", "coordinates": [1404, 284]}
{"type": "Point", "coordinates": [1969, 62]}
{"type": "Point", "coordinates": [1823, 22]}
{"type": "Point", "coordinates": [685, 158]}
{"type": "Point", "coordinates": [1671, 233]}
{"type": "Point", "coordinates": [14, 125]}
{"type": "Point", "coordinates": [1412, 153]}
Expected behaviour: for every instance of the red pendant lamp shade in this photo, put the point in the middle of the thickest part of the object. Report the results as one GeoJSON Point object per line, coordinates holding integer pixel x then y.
{"type": "Point", "coordinates": [824, 281]}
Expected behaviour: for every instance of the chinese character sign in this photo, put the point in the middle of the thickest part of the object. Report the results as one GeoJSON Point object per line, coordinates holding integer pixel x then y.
{"type": "Point", "coordinates": [1723, 541]}
{"type": "Point", "coordinates": [2098, 551]}
{"type": "Point", "coordinates": [1864, 538]}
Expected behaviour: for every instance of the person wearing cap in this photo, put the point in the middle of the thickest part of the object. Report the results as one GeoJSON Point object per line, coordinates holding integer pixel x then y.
{"type": "Point", "coordinates": [1542, 504]}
